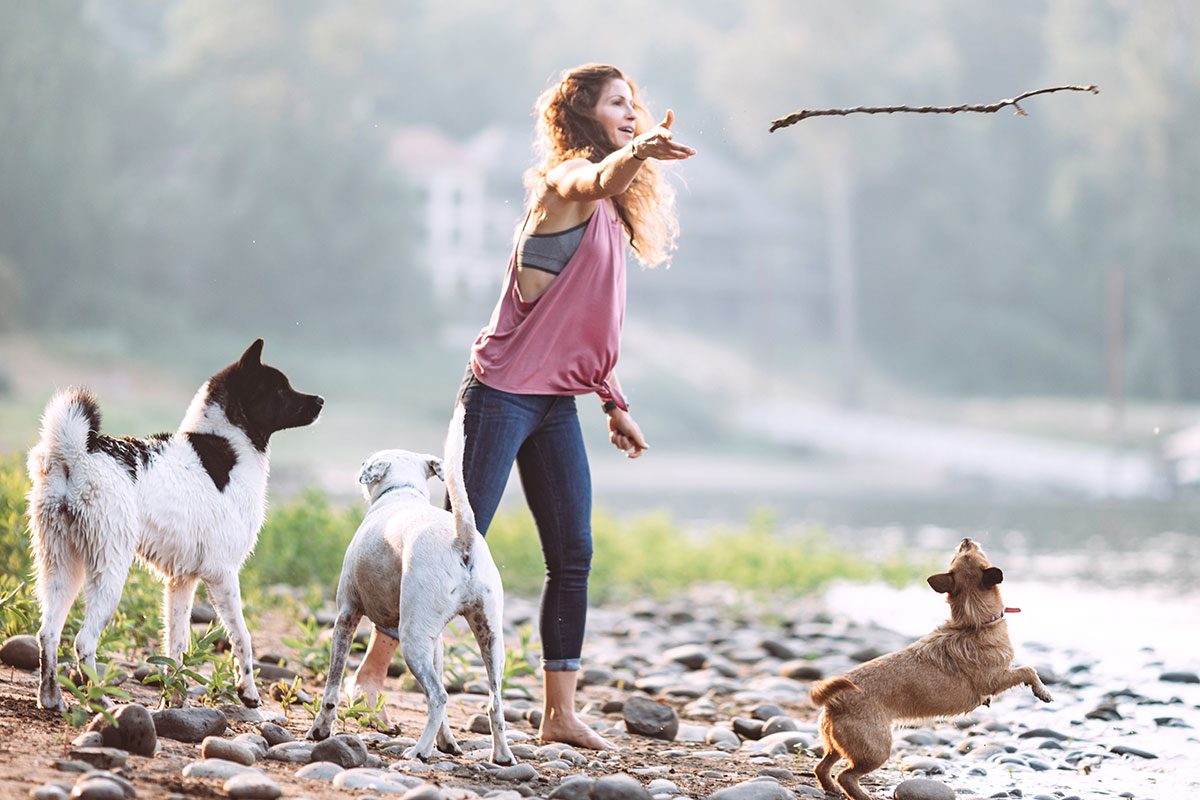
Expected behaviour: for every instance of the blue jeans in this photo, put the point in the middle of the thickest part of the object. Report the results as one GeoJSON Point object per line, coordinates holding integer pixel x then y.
{"type": "Point", "coordinates": [542, 434]}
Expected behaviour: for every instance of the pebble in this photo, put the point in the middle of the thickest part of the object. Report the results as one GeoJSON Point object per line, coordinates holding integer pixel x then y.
{"type": "Point", "coordinates": [51, 791]}
{"type": "Point", "coordinates": [252, 786]}
{"type": "Point", "coordinates": [67, 765]}
{"type": "Point", "coordinates": [89, 738]}
{"type": "Point", "coordinates": [344, 749]}
{"type": "Point", "coordinates": [1126, 750]}
{"type": "Point", "coordinates": [215, 768]}
{"type": "Point", "coordinates": [650, 718]}
{"type": "Point", "coordinates": [517, 772]}
{"type": "Point", "coordinates": [274, 734]}
{"type": "Point", "coordinates": [319, 771]}
{"type": "Point", "coordinates": [101, 757]}
{"type": "Point", "coordinates": [255, 742]}
{"type": "Point", "coordinates": [269, 673]}
{"type": "Point", "coordinates": [922, 789]}
{"type": "Point", "coordinates": [372, 779]}
{"type": "Point", "coordinates": [97, 788]}
{"type": "Point", "coordinates": [799, 670]}
{"type": "Point", "coordinates": [189, 724]}
{"type": "Point", "coordinates": [618, 787]}
{"type": "Point", "coordinates": [292, 752]}
{"type": "Point", "coordinates": [767, 710]}
{"type": "Point", "coordinates": [216, 747]}
{"type": "Point", "coordinates": [690, 656]}
{"type": "Point", "coordinates": [1044, 733]}
{"type": "Point", "coordinates": [573, 787]}
{"type": "Point", "coordinates": [777, 724]}
{"type": "Point", "coordinates": [755, 789]}
{"type": "Point", "coordinates": [21, 652]}
{"type": "Point", "coordinates": [1179, 677]}
{"type": "Point", "coordinates": [135, 731]}
{"type": "Point", "coordinates": [748, 728]}
{"type": "Point", "coordinates": [426, 791]}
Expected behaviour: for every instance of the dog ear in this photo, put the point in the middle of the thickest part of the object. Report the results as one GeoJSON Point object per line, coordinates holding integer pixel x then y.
{"type": "Point", "coordinates": [433, 466]}
{"type": "Point", "coordinates": [942, 583]}
{"type": "Point", "coordinates": [253, 355]}
{"type": "Point", "coordinates": [373, 472]}
{"type": "Point", "coordinates": [991, 577]}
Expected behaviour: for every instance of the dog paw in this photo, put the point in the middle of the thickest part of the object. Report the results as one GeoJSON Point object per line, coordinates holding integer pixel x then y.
{"type": "Point", "coordinates": [319, 732]}
{"type": "Point", "coordinates": [249, 700]}
{"type": "Point", "coordinates": [52, 703]}
{"type": "Point", "coordinates": [1041, 694]}
{"type": "Point", "coordinates": [414, 752]}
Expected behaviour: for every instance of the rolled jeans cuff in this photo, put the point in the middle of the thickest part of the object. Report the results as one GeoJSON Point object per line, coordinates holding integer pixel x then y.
{"type": "Point", "coordinates": [560, 664]}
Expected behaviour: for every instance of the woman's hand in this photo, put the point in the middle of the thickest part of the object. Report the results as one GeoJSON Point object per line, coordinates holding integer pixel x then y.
{"type": "Point", "coordinates": [658, 143]}
{"type": "Point", "coordinates": [625, 434]}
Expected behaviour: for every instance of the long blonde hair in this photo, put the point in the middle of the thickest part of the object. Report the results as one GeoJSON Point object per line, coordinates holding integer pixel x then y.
{"type": "Point", "coordinates": [567, 128]}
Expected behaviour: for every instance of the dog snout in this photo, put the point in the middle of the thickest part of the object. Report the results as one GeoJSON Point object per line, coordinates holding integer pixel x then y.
{"type": "Point", "coordinates": [966, 544]}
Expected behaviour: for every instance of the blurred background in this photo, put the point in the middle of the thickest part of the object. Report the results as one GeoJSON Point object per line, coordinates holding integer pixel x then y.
{"type": "Point", "coordinates": [900, 329]}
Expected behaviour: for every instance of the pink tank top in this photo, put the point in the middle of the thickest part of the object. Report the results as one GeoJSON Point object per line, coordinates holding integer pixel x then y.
{"type": "Point", "coordinates": [567, 341]}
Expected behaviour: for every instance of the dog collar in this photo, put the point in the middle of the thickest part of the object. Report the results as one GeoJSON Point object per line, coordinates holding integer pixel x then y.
{"type": "Point", "coordinates": [393, 488]}
{"type": "Point", "coordinates": [1000, 616]}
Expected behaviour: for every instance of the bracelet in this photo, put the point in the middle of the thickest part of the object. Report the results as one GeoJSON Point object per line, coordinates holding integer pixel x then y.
{"type": "Point", "coordinates": [609, 406]}
{"type": "Point", "coordinates": [633, 152]}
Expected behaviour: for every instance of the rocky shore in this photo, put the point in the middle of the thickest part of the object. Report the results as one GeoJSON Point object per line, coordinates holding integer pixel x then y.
{"type": "Point", "coordinates": [706, 695]}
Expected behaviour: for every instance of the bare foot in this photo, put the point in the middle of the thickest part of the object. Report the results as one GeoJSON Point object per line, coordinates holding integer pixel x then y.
{"type": "Point", "coordinates": [574, 732]}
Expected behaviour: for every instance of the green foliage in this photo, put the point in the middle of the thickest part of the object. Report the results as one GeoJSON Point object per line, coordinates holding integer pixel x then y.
{"type": "Point", "coordinates": [302, 543]}
{"type": "Point", "coordinates": [91, 698]}
{"type": "Point", "coordinates": [364, 714]}
{"type": "Point", "coordinates": [15, 556]}
{"type": "Point", "coordinates": [172, 676]}
{"type": "Point", "coordinates": [311, 652]}
{"type": "Point", "coordinates": [18, 607]}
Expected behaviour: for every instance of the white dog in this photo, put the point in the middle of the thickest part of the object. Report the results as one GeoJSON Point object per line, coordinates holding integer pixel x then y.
{"type": "Point", "coordinates": [415, 567]}
{"type": "Point", "coordinates": [188, 504]}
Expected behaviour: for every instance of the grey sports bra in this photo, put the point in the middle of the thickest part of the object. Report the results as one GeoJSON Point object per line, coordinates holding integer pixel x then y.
{"type": "Point", "coordinates": [550, 252]}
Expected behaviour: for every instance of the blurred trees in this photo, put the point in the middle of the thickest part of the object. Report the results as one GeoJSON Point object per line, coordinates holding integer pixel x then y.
{"type": "Point", "coordinates": [232, 153]}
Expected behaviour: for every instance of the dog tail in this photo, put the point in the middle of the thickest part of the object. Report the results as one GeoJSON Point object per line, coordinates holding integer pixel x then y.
{"type": "Point", "coordinates": [70, 425]}
{"type": "Point", "coordinates": [464, 517]}
{"type": "Point", "coordinates": [823, 691]}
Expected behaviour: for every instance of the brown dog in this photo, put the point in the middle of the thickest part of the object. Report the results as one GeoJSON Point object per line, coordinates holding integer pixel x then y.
{"type": "Point", "coordinates": [959, 666]}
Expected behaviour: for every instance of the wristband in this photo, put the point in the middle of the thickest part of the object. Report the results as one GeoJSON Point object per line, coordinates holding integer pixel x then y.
{"type": "Point", "coordinates": [633, 152]}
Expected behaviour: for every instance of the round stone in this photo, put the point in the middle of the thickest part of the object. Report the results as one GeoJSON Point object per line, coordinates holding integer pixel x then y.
{"type": "Point", "coordinates": [96, 788]}
{"type": "Point", "coordinates": [274, 734]}
{"type": "Point", "coordinates": [189, 724]}
{"type": "Point", "coordinates": [21, 652]}
{"type": "Point", "coordinates": [216, 747]}
{"type": "Point", "coordinates": [319, 771]}
{"type": "Point", "coordinates": [215, 768]}
{"type": "Point", "coordinates": [756, 789]}
{"type": "Point", "coordinates": [650, 718]}
{"type": "Point", "coordinates": [619, 787]}
{"type": "Point", "coordinates": [923, 789]}
{"type": "Point", "coordinates": [252, 786]}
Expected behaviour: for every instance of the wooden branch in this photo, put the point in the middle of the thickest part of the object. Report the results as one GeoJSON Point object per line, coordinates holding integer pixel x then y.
{"type": "Point", "coordinates": [793, 118]}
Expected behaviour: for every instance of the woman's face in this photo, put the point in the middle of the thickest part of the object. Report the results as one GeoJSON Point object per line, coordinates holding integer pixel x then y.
{"type": "Point", "coordinates": [615, 112]}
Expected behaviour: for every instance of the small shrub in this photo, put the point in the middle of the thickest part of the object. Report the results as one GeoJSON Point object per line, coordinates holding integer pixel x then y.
{"type": "Point", "coordinates": [92, 698]}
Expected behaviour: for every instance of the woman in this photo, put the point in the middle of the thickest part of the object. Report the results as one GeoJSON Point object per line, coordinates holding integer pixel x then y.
{"type": "Point", "coordinates": [555, 334]}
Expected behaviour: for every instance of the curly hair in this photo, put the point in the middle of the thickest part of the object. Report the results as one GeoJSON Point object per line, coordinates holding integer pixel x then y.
{"type": "Point", "coordinates": [567, 128]}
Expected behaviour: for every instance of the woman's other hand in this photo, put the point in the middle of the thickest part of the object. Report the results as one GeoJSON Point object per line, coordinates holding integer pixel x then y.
{"type": "Point", "coordinates": [625, 434]}
{"type": "Point", "coordinates": [658, 143]}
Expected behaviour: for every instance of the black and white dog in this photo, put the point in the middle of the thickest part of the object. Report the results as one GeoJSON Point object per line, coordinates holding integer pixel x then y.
{"type": "Point", "coordinates": [188, 504]}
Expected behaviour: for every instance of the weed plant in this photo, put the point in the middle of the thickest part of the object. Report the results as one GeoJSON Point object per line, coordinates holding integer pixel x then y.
{"type": "Point", "coordinates": [92, 695]}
